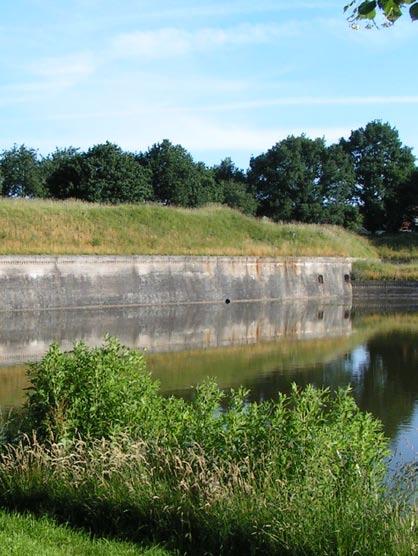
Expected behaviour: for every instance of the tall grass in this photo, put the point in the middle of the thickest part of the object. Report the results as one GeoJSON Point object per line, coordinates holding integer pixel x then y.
{"type": "Point", "coordinates": [303, 474]}
{"type": "Point", "coordinates": [48, 227]}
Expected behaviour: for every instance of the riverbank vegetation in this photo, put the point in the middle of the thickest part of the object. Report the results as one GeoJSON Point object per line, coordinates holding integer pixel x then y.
{"type": "Point", "coordinates": [97, 446]}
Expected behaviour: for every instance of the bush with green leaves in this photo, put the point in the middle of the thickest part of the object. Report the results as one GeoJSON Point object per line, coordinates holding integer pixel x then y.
{"type": "Point", "coordinates": [101, 392]}
{"type": "Point", "coordinates": [89, 392]}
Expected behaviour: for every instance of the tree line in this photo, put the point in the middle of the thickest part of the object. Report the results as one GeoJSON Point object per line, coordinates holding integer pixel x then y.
{"type": "Point", "coordinates": [369, 179]}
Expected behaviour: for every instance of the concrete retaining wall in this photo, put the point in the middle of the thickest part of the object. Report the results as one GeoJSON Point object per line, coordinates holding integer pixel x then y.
{"type": "Point", "coordinates": [68, 282]}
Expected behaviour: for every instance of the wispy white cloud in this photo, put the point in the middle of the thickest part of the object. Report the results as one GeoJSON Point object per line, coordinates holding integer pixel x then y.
{"type": "Point", "coordinates": [311, 101]}
{"type": "Point", "coordinates": [46, 77]}
{"type": "Point", "coordinates": [222, 9]}
{"type": "Point", "coordinates": [68, 69]}
{"type": "Point", "coordinates": [140, 128]}
{"type": "Point", "coordinates": [172, 41]}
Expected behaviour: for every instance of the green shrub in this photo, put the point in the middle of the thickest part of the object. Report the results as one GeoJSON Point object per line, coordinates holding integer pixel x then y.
{"type": "Point", "coordinates": [89, 392]}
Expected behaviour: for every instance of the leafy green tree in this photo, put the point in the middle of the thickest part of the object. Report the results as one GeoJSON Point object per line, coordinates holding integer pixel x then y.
{"type": "Point", "coordinates": [390, 10]}
{"type": "Point", "coordinates": [226, 170]}
{"type": "Point", "coordinates": [382, 166]}
{"type": "Point", "coordinates": [103, 174]}
{"type": "Point", "coordinates": [233, 186]}
{"type": "Point", "coordinates": [236, 195]}
{"type": "Point", "coordinates": [338, 183]}
{"type": "Point", "coordinates": [301, 179]}
{"type": "Point", "coordinates": [407, 200]}
{"type": "Point", "coordinates": [286, 179]}
{"type": "Point", "coordinates": [52, 162]}
{"type": "Point", "coordinates": [21, 172]}
{"type": "Point", "coordinates": [176, 178]}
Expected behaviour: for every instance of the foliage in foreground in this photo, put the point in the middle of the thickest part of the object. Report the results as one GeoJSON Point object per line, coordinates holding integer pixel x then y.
{"type": "Point", "coordinates": [303, 474]}
{"type": "Point", "coordinates": [390, 10]}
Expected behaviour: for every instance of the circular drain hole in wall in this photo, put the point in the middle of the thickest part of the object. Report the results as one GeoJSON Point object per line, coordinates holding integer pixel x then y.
{"type": "Point", "coordinates": [227, 301]}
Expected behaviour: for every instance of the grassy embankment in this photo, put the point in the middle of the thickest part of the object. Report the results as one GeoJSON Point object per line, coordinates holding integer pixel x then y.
{"type": "Point", "coordinates": [71, 228]}
{"type": "Point", "coordinates": [105, 451]}
{"type": "Point", "coordinates": [31, 536]}
{"type": "Point", "coordinates": [398, 258]}
{"type": "Point", "coordinates": [46, 227]}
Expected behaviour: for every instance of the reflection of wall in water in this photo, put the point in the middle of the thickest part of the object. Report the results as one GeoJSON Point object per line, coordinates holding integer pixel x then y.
{"type": "Point", "coordinates": [26, 335]}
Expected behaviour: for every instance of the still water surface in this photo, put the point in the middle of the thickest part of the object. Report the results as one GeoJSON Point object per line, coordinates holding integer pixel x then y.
{"type": "Point", "coordinates": [264, 347]}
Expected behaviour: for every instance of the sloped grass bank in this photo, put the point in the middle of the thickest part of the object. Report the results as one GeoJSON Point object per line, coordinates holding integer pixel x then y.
{"type": "Point", "coordinates": [99, 447]}
{"type": "Point", "coordinates": [397, 248]}
{"type": "Point", "coordinates": [62, 228]}
{"type": "Point", "coordinates": [381, 270]}
{"type": "Point", "coordinates": [398, 259]}
{"type": "Point", "coordinates": [31, 536]}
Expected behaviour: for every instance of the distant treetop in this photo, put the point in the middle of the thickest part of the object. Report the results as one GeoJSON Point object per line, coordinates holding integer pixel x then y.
{"type": "Point", "coordinates": [389, 10]}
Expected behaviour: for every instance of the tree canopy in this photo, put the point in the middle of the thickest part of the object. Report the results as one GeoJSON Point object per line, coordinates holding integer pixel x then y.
{"type": "Point", "coordinates": [21, 174]}
{"type": "Point", "coordinates": [302, 179]}
{"type": "Point", "coordinates": [383, 169]}
{"type": "Point", "coordinates": [390, 10]}
{"type": "Point", "coordinates": [104, 174]}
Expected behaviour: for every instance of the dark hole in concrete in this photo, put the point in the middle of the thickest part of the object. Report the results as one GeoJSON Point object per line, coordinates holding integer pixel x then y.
{"type": "Point", "coordinates": [227, 301]}
{"type": "Point", "coordinates": [320, 279]}
{"type": "Point", "coordinates": [347, 278]}
{"type": "Point", "coordinates": [320, 315]}
{"type": "Point", "coordinates": [346, 314]}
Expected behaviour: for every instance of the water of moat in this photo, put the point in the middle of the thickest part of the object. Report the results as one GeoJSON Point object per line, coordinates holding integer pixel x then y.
{"type": "Point", "coordinates": [262, 346]}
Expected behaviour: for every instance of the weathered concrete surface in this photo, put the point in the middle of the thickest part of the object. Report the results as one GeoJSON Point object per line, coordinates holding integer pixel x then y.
{"type": "Point", "coordinates": [85, 281]}
{"type": "Point", "coordinates": [26, 336]}
{"type": "Point", "coordinates": [385, 289]}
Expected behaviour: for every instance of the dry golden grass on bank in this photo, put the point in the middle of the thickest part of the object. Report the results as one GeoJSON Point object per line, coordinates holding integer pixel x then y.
{"type": "Point", "coordinates": [29, 227]}
{"type": "Point", "coordinates": [381, 270]}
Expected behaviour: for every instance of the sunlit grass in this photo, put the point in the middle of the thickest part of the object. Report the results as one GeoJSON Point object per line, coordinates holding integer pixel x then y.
{"type": "Point", "coordinates": [398, 247]}
{"type": "Point", "coordinates": [47, 227]}
{"type": "Point", "coordinates": [31, 536]}
{"type": "Point", "coordinates": [380, 270]}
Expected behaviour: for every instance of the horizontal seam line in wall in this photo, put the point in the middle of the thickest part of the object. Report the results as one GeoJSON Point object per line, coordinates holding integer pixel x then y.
{"type": "Point", "coordinates": [172, 303]}
{"type": "Point", "coordinates": [11, 260]}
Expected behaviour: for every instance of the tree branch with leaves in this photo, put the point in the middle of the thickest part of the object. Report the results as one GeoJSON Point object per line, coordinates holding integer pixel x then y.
{"type": "Point", "coordinates": [370, 11]}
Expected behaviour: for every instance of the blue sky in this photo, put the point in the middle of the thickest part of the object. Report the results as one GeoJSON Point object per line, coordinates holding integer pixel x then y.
{"type": "Point", "coordinates": [226, 78]}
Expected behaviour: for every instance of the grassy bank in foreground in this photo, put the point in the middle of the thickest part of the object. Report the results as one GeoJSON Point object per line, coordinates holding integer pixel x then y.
{"type": "Point", "coordinates": [104, 451]}
{"type": "Point", "coordinates": [25, 534]}
{"type": "Point", "coordinates": [47, 227]}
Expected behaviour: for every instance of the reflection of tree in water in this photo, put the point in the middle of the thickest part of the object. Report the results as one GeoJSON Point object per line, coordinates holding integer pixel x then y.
{"type": "Point", "coordinates": [388, 387]}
